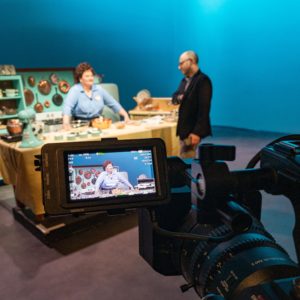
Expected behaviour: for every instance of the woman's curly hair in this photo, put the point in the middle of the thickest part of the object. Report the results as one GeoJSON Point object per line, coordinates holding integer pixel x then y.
{"type": "Point", "coordinates": [81, 68]}
{"type": "Point", "coordinates": [106, 163]}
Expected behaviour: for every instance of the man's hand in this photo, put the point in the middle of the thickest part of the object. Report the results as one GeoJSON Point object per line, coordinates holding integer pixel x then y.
{"type": "Point", "coordinates": [194, 139]}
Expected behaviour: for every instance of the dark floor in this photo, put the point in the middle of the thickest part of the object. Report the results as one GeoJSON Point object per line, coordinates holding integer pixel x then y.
{"type": "Point", "coordinates": [103, 262]}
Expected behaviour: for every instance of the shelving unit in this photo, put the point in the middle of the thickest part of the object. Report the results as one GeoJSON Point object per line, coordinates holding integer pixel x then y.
{"type": "Point", "coordinates": [11, 102]}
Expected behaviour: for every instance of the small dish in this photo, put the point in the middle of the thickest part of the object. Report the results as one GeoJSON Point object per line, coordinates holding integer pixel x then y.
{"type": "Point", "coordinates": [120, 125]}
{"type": "Point", "coordinates": [58, 137]}
{"type": "Point", "coordinates": [11, 92]}
{"type": "Point", "coordinates": [94, 131]}
{"type": "Point", "coordinates": [83, 134]}
{"type": "Point", "coordinates": [71, 136]}
{"type": "Point", "coordinates": [95, 134]}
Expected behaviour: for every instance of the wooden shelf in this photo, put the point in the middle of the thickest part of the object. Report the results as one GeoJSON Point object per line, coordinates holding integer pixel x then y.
{"type": "Point", "coordinates": [7, 117]}
{"type": "Point", "coordinates": [15, 102]}
{"type": "Point", "coordinates": [10, 98]}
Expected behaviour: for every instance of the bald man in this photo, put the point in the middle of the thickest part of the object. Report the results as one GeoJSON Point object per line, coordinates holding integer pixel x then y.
{"type": "Point", "coordinates": [194, 98]}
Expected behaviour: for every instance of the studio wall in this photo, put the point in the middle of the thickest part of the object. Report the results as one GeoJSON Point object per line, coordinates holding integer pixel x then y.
{"type": "Point", "coordinates": [249, 49]}
{"type": "Point", "coordinates": [130, 42]}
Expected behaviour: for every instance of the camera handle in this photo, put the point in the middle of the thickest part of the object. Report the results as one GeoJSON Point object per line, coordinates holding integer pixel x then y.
{"type": "Point", "coordinates": [294, 198]}
{"type": "Point", "coordinates": [186, 236]}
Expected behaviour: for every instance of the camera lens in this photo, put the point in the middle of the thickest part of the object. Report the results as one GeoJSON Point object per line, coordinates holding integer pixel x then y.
{"type": "Point", "coordinates": [226, 268]}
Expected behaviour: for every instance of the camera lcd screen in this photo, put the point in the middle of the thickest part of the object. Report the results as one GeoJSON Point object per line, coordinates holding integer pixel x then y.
{"type": "Point", "coordinates": [91, 176]}
{"type": "Point", "coordinates": [111, 174]}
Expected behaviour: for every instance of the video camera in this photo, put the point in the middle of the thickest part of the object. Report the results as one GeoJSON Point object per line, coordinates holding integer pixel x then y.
{"type": "Point", "coordinates": [196, 217]}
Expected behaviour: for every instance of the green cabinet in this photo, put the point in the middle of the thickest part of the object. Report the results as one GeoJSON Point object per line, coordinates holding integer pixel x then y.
{"type": "Point", "coordinates": [12, 98]}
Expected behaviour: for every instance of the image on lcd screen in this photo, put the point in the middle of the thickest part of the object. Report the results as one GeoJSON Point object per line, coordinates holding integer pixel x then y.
{"type": "Point", "coordinates": [94, 175]}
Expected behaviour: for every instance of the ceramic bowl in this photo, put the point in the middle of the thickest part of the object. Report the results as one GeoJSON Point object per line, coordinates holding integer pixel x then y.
{"type": "Point", "coordinates": [120, 125]}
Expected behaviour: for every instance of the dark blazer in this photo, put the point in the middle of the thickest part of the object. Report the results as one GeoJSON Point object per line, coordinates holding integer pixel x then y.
{"type": "Point", "coordinates": [194, 107]}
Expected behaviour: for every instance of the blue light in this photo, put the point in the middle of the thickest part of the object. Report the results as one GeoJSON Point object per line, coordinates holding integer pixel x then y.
{"type": "Point", "coordinates": [210, 5]}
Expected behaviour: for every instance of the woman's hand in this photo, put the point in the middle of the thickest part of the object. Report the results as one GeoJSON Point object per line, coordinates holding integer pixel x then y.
{"type": "Point", "coordinates": [66, 122]}
{"type": "Point", "coordinates": [66, 127]}
{"type": "Point", "coordinates": [124, 114]}
{"type": "Point", "coordinates": [126, 119]}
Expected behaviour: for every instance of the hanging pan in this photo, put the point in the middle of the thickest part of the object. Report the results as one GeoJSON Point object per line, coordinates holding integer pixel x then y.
{"type": "Point", "coordinates": [29, 97]}
{"type": "Point", "coordinates": [64, 86]}
{"type": "Point", "coordinates": [38, 107]}
{"type": "Point", "coordinates": [54, 78]}
{"type": "Point", "coordinates": [31, 81]}
{"type": "Point", "coordinates": [44, 87]}
{"type": "Point", "coordinates": [57, 99]}
{"type": "Point", "coordinates": [47, 103]}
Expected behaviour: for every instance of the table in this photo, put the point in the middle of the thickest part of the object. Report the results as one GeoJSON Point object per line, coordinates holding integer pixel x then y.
{"type": "Point", "coordinates": [142, 114]}
{"type": "Point", "coordinates": [17, 164]}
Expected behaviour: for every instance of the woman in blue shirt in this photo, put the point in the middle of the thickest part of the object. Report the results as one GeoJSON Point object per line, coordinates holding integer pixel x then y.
{"type": "Point", "coordinates": [110, 179]}
{"type": "Point", "coordinates": [86, 100]}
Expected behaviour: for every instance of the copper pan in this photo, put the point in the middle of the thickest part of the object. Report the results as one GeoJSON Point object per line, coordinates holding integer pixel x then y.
{"type": "Point", "coordinates": [31, 81]}
{"type": "Point", "coordinates": [29, 96]}
{"type": "Point", "coordinates": [44, 87]}
{"type": "Point", "coordinates": [38, 107]}
{"type": "Point", "coordinates": [57, 99]}
{"type": "Point", "coordinates": [64, 86]}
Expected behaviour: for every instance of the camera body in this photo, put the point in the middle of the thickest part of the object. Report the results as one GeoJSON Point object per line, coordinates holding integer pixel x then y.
{"type": "Point", "coordinates": [197, 218]}
{"type": "Point", "coordinates": [249, 264]}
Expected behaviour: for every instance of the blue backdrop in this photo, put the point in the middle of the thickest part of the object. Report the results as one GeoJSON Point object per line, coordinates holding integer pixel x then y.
{"type": "Point", "coordinates": [135, 163]}
{"type": "Point", "coordinates": [249, 48]}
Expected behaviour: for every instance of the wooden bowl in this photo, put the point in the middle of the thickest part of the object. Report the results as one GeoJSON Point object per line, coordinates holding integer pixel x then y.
{"type": "Point", "coordinates": [120, 125]}
{"type": "Point", "coordinates": [101, 123]}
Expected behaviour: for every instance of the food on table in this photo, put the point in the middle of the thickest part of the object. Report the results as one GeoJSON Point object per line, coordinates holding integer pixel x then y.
{"type": "Point", "coordinates": [101, 123]}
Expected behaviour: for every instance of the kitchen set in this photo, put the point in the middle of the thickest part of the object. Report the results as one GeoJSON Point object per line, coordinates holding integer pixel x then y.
{"type": "Point", "coordinates": [43, 91]}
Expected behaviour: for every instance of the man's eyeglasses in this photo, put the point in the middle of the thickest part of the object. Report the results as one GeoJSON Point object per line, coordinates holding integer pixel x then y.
{"type": "Point", "coordinates": [182, 62]}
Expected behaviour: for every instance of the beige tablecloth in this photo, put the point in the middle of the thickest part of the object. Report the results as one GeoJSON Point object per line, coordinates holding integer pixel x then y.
{"type": "Point", "coordinates": [17, 164]}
